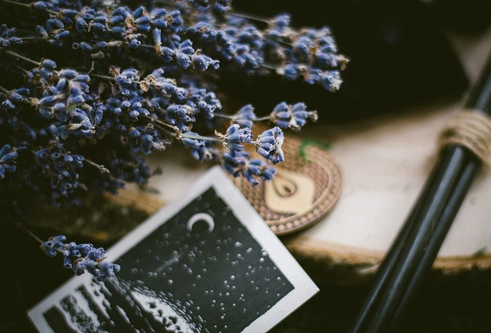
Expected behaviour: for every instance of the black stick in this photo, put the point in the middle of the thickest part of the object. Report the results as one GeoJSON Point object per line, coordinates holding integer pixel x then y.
{"type": "Point", "coordinates": [385, 268]}
{"type": "Point", "coordinates": [445, 176]}
{"type": "Point", "coordinates": [418, 243]}
{"type": "Point", "coordinates": [392, 259]}
{"type": "Point", "coordinates": [436, 241]}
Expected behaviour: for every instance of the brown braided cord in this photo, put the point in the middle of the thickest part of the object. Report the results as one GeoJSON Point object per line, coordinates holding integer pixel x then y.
{"type": "Point", "coordinates": [471, 129]}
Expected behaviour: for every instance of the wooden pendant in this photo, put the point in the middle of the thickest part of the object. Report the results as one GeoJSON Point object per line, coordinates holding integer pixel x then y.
{"type": "Point", "coordinates": [304, 190]}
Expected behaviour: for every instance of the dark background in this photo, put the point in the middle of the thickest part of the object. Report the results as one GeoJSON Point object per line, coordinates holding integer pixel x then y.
{"type": "Point", "coordinates": [399, 54]}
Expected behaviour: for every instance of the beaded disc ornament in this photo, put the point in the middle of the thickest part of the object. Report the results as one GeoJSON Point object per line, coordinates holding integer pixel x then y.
{"type": "Point", "coordinates": [303, 191]}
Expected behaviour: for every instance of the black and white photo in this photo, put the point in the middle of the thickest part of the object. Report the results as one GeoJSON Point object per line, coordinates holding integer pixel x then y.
{"type": "Point", "coordinates": [206, 263]}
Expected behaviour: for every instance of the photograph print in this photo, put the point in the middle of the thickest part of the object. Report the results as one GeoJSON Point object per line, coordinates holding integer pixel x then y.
{"type": "Point", "coordinates": [207, 263]}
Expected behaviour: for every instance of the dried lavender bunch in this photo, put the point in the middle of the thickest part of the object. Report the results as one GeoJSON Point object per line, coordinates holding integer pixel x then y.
{"type": "Point", "coordinates": [310, 54]}
{"type": "Point", "coordinates": [191, 38]}
{"type": "Point", "coordinates": [86, 92]}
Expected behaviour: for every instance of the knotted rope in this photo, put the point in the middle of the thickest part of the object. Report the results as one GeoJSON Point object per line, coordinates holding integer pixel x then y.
{"type": "Point", "coordinates": [472, 130]}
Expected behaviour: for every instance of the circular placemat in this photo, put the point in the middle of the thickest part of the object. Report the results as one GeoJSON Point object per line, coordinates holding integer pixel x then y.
{"type": "Point", "coordinates": [307, 186]}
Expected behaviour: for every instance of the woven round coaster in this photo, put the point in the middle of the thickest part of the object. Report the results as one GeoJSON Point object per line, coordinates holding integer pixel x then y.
{"type": "Point", "coordinates": [307, 186]}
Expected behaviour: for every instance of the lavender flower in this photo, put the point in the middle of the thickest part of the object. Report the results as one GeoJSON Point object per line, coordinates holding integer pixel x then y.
{"type": "Point", "coordinates": [292, 116]}
{"type": "Point", "coordinates": [331, 80]}
{"type": "Point", "coordinates": [8, 37]}
{"type": "Point", "coordinates": [235, 136]}
{"type": "Point", "coordinates": [81, 257]}
{"type": "Point", "coordinates": [269, 143]}
{"type": "Point", "coordinates": [239, 163]}
{"type": "Point", "coordinates": [145, 139]}
{"type": "Point", "coordinates": [203, 153]}
{"type": "Point", "coordinates": [245, 116]}
{"type": "Point", "coordinates": [53, 245]}
{"type": "Point", "coordinates": [310, 54]}
{"type": "Point", "coordinates": [257, 167]}
{"type": "Point", "coordinates": [194, 143]}
{"type": "Point", "coordinates": [7, 159]}
{"type": "Point", "coordinates": [220, 6]}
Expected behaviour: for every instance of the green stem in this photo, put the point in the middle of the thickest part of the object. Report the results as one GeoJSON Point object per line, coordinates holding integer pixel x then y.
{"type": "Point", "coordinates": [200, 137]}
{"type": "Point", "coordinates": [22, 69]}
{"type": "Point", "coordinates": [26, 5]}
{"type": "Point", "coordinates": [103, 77]}
{"type": "Point", "coordinates": [270, 67]}
{"type": "Point", "coordinates": [16, 3]}
{"type": "Point", "coordinates": [249, 17]}
{"type": "Point", "coordinates": [160, 122]}
{"type": "Point", "coordinates": [221, 115]}
{"type": "Point", "coordinates": [207, 138]}
{"type": "Point", "coordinates": [33, 38]}
{"type": "Point", "coordinates": [109, 77]}
{"type": "Point", "coordinates": [31, 234]}
{"type": "Point", "coordinates": [184, 135]}
{"type": "Point", "coordinates": [4, 90]}
{"type": "Point", "coordinates": [98, 166]}
{"type": "Point", "coordinates": [21, 56]}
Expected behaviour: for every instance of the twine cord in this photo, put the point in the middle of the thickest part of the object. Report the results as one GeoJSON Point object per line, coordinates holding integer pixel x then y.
{"type": "Point", "coordinates": [472, 130]}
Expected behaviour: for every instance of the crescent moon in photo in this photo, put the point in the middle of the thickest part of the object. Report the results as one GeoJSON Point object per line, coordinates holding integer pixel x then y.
{"type": "Point", "coordinates": [201, 217]}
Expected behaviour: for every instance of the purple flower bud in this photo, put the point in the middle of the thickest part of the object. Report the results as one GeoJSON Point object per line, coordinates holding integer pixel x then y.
{"type": "Point", "coordinates": [62, 35]}
{"type": "Point", "coordinates": [269, 143]}
{"type": "Point", "coordinates": [69, 74]}
{"type": "Point", "coordinates": [81, 25]}
{"type": "Point", "coordinates": [134, 43]}
{"type": "Point", "coordinates": [107, 270]}
{"type": "Point", "coordinates": [41, 5]}
{"type": "Point", "coordinates": [191, 142]}
{"type": "Point", "coordinates": [96, 254]}
{"type": "Point", "coordinates": [54, 24]}
{"type": "Point", "coordinates": [8, 158]}
{"type": "Point", "coordinates": [201, 62]}
{"type": "Point", "coordinates": [331, 80]}
{"type": "Point", "coordinates": [161, 24]}
{"type": "Point", "coordinates": [245, 116]}
{"type": "Point", "coordinates": [281, 21]}
{"type": "Point", "coordinates": [183, 60]}
{"type": "Point", "coordinates": [236, 135]}
{"type": "Point", "coordinates": [290, 72]}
